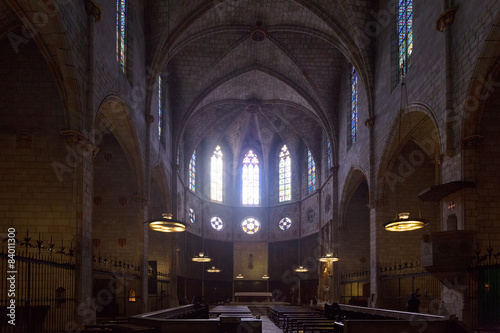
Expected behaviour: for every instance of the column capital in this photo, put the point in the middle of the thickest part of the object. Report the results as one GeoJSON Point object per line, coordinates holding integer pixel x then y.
{"type": "Point", "coordinates": [139, 198]}
{"type": "Point", "coordinates": [93, 9]}
{"type": "Point", "coordinates": [370, 122]}
{"type": "Point", "coordinates": [74, 138]}
{"type": "Point", "coordinates": [472, 142]}
{"type": "Point", "coordinates": [149, 118]}
{"type": "Point", "coordinates": [445, 19]}
{"type": "Point", "coordinates": [376, 203]}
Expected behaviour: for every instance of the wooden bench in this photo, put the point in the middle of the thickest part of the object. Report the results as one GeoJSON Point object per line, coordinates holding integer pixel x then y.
{"type": "Point", "coordinates": [401, 325]}
{"type": "Point", "coordinates": [300, 324]}
{"type": "Point", "coordinates": [162, 323]}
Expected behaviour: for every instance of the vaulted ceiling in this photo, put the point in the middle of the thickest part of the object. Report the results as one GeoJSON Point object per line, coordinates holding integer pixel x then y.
{"type": "Point", "coordinates": [256, 71]}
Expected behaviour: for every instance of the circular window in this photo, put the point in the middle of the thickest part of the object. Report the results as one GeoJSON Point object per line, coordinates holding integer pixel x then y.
{"type": "Point", "coordinates": [192, 215]}
{"type": "Point", "coordinates": [250, 225]}
{"type": "Point", "coordinates": [217, 223]}
{"type": "Point", "coordinates": [285, 223]}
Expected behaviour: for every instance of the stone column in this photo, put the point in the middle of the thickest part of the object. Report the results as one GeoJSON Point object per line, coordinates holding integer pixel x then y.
{"type": "Point", "coordinates": [83, 145]}
{"type": "Point", "coordinates": [443, 24]}
{"type": "Point", "coordinates": [372, 301]}
{"type": "Point", "coordinates": [334, 282]}
{"type": "Point", "coordinates": [82, 152]}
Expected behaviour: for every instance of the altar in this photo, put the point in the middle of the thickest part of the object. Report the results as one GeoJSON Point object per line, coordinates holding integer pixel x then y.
{"type": "Point", "coordinates": [251, 296]}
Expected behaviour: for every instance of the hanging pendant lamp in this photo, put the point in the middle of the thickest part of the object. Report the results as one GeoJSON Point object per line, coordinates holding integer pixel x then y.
{"type": "Point", "coordinates": [167, 224]}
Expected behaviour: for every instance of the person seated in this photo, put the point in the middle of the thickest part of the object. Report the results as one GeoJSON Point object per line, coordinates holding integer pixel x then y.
{"type": "Point", "coordinates": [413, 303]}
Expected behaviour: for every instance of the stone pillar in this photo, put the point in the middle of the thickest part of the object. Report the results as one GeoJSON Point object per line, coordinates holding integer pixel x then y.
{"type": "Point", "coordinates": [334, 283]}
{"type": "Point", "coordinates": [83, 145]}
{"type": "Point", "coordinates": [443, 24]}
{"type": "Point", "coordinates": [372, 184]}
{"type": "Point", "coordinates": [83, 152]}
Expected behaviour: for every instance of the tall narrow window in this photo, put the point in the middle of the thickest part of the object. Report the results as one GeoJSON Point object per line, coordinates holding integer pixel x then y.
{"type": "Point", "coordinates": [120, 32]}
{"type": "Point", "coordinates": [250, 179]}
{"type": "Point", "coordinates": [329, 154]}
{"type": "Point", "coordinates": [354, 105]}
{"type": "Point", "coordinates": [311, 172]}
{"type": "Point", "coordinates": [192, 172]}
{"type": "Point", "coordinates": [285, 175]}
{"type": "Point", "coordinates": [405, 35]}
{"type": "Point", "coordinates": [216, 175]}
{"type": "Point", "coordinates": [160, 107]}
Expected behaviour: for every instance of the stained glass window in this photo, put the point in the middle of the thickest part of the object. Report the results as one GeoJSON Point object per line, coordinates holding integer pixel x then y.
{"type": "Point", "coordinates": [250, 178]}
{"type": "Point", "coordinates": [192, 172]}
{"type": "Point", "coordinates": [354, 104]}
{"type": "Point", "coordinates": [285, 175]}
{"type": "Point", "coordinates": [329, 154]}
{"type": "Point", "coordinates": [405, 35]}
{"type": "Point", "coordinates": [192, 215]}
{"type": "Point", "coordinates": [250, 225]}
{"type": "Point", "coordinates": [285, 223]}
{"type": "Point", "coordinates": [216, 175]}
{"type": "Point", "coordinates": [217, 223]}
{"type": "Point", "coordinates": [120, 32]}
{"type": "Point", "coordinates": [160, 107]}
{"type": "Point", "coordinates": [311, 172]}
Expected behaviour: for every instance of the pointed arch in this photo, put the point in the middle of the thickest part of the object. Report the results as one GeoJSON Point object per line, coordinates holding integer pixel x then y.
{"type": "Point", "coordinates": [355, 177]}
{"type": "Point", "coordinates": [424, 133]}
{"type": "Point", "coordinates": [113, 115]}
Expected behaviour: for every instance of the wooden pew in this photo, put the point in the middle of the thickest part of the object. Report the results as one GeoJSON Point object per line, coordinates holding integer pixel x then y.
{"type": "Point", "coordinates": [401, 325]}
{"type": "Point", "coordinates": [162, 322]}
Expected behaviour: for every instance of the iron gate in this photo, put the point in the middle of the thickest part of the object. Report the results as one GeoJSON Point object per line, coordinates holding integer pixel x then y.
{"type": "Point", "coordinates": [44, 293]}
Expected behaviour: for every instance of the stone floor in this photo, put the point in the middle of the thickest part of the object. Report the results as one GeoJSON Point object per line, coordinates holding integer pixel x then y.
{"type": "Point", "coordinates": [268, 326]}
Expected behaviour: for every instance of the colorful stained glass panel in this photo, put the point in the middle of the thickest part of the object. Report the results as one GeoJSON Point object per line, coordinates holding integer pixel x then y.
{"type": "Point", "coordinates": [285, 175]}
{"type": "Point", "coordinates": [217, 223]}
{"type": "Point", "coordinates": [405, 35]}
{"type": "Point", "coordinates": [192, 172]}
{"type": "Point", "coordinates": [285, 223]}
{"type": "Point", "coordinates": [192, 215]}
{"type": "Point", "coordinates": [250, 179]}
{"type": "Point", "coordinates": [250, 225]}
{"type": "Point", "coordinates": [311, 172]}
{"type": "Point", "coordinates": [160, 107]}
{"type": "Point", "coordinates": [120, 32]}
{"type": "Point", "coordinates": [216, 175]}
{"type": "Point", "coordinates": [354, 105]}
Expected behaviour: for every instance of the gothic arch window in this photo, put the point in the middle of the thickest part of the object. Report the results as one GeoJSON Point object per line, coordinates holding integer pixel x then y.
{"type": "Point", "coordinates": [405, 35]}
{"type": "Point", "coordinates": [329, 154]}
{"type": "Point", "coordinates": [216, 175]}
{"type": "Point", "coordinates": [311, 172]}
{"type": "Point", "coordinates": [285, 175]}
{"type": "Point", "coordinates": [160, 108]}
{"type": "Point", "coordinates": [250, 179]}
{"type": "Point", "coordinates": [354, 105]}
{"type": "Point", "coordinates": [121, 25]}
{"type": "Point", "coordinates": [192, 172]}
